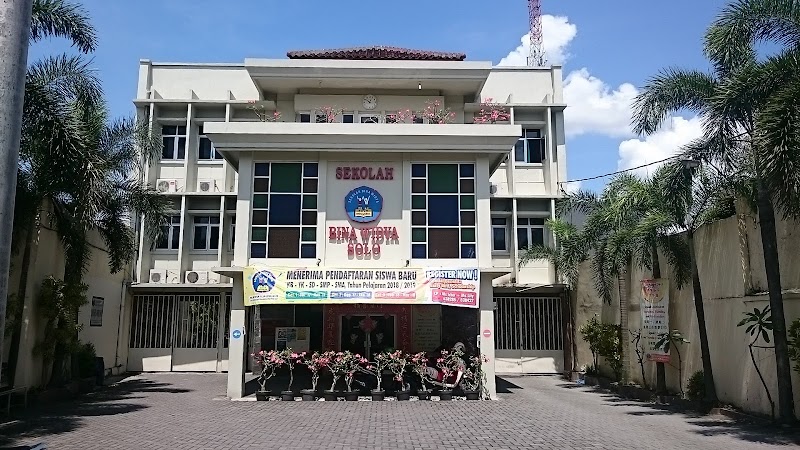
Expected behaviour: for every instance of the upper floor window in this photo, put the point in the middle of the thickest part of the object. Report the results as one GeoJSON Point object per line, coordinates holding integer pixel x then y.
{"type": "Point", "coordinates": [174, 142]}
{"type": "Point", "coordinates": [443, 210]}
{"type": "Point", "coordinates": [284, 210]}
{"type": "Point", "coordinates": [205, 232]}
{"type": "Point", "coordinates": [369, 118]}
{"type": "Point", "coordinates": [170, 236]}
{"type": "Point", "coordinates": [499, 234]}
{"type": "Point", "coordinates": [233, 232]}
{"type": "Point", "coordinates": [530, 231]}
{"type": "Point", "coordinates": [530, 147]}
{"type": "Point", "coordinates": [205, 149]}
{"type": "Point", "coordinates": [347, 117]}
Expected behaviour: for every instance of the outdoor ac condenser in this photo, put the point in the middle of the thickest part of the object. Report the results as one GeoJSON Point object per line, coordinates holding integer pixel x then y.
{"type": "Point", "coordinates": [166, 185]}
{"type": "Point", "coordinates": [196, 277]}
{"type": "Point", "coordinates": [206, 185]}
{"type": "Point", "coordinates": [158, 275]}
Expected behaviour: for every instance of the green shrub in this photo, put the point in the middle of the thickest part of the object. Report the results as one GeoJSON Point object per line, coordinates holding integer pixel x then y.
{"type": "Point", "coordinates": [696, 388]}
{"type": "Point", "coordinates": [603, 340]}
{"type": "Point", "coordinates": [794, 344]}
{"type": "Point", "coordinates": [84, 357]}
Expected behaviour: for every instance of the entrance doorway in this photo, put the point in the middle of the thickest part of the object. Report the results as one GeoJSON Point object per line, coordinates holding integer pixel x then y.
{"type": "Point", "coordinates": [367, 334]}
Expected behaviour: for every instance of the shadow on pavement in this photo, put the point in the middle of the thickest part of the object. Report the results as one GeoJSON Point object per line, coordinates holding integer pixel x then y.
{"type": "Point", "coordinates": [707, 425]}
{"type": "Point", "coordinates": [504, 386]}
{"type": "Point", "coordinates": [40, 421]}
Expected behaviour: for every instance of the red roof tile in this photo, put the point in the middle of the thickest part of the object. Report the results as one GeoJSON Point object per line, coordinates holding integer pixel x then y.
{"type": "Point", "coordinates": [377, 52]}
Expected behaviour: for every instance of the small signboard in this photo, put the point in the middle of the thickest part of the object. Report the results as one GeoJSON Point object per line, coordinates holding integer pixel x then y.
{"type": "Point", "coordinates": [96, 319]}
{"type": "Point", "coordinates": [295, 338]}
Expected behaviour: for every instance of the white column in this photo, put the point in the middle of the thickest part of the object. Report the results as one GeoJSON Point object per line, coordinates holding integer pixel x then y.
{"type": "Point", "coordinates": [487, 343]}
{"type": "Point", "coordinates": [236, 348]}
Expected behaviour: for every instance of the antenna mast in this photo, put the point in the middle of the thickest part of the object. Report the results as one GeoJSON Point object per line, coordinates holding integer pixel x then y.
{"type": "Point", "coordinates": [536, 57]}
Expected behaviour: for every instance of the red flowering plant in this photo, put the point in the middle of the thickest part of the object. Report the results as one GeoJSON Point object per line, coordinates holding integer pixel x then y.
{"type": "Point", "coordinates": [352, 362]}
{"type": "Point", "coordinates": [434, 112]}
{"type": "Point", "coordinates": [474, 377]}
{"type": "Point", "coordinates": [262, 113]}
{"type": "Point", "coordinates": [397, 364]}
{"type": "Point", "coordinates": [269, 361]}
{"type": "Point", "coordinates": [450, 362]}
{"type": "Point", "coordinates": [291, 358]}
{"type": "Point", "coordinates": [315, 364]}
{"type": "Point", "coordinates": [419, 364]}
{"type": "Point", "coordinates": [492, 112]}
{"type": "Point", "coordinates": [381, 363]}
{"type": "Point", "coordinates": [330, 113]}
{"type": "Point", "coordinates": [337, 365]}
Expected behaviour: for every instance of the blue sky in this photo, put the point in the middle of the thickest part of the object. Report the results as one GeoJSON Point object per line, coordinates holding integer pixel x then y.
{"type": "Point", "coordinates": [611, 47]}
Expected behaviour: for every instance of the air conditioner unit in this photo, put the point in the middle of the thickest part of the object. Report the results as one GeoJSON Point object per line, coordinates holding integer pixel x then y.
{"type": "Point", "coordinates": [173, 277]}
{"type": "Point", "coordinates": [166, 185]}
{"type": "Point", "coordinates": [206, 185]}
{"type": "Point", "coordinates": [196, 277]}
{"type": "Point", "coordinates": [492, 188]}
{"type": "Point", "coordinates": [158, 275]}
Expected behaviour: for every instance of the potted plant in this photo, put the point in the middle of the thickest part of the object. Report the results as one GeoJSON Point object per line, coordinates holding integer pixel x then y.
{"type": "Point", "coordinates": [449, 363]}
{"type": "Point", "coordinates": [381, 363]}
{"type": "Point", "coordinates": [397, 364]}
{"type": "Point", "coordinates": [336, 365]}
{"type": "Point", "coordinates": [492, 112]}
{"type": "Point", "coordinates": [419, 364]}
{"type": "Point", "coordinates": [268, 361]}
{"type": "Point", "coordinates": [474, 378]}
{"type": "Point", "coordinates": [352, 362]}
{"type": "Point", "coordinates": [290, 359]}
{"type": "Point", "coordinates": [315, 363]}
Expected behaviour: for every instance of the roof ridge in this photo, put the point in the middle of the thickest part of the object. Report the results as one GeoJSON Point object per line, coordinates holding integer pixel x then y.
{"type": "Point", "coordinates": [379, 52]}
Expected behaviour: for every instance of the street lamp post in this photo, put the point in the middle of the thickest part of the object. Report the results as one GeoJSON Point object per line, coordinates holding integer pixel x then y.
{"type": "Point", "coordinates": [15, 24]}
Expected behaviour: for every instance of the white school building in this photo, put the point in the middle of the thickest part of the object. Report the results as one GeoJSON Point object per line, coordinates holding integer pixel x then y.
{"type": "Point", "coordinates": [314, 194]}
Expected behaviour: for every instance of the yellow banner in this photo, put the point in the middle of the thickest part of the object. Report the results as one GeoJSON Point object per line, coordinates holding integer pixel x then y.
{"type": "Point", "coordinates": [282, 285]}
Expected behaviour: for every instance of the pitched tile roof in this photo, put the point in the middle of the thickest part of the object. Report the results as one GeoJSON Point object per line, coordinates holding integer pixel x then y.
{"type": "Point", "coordinates": [377, 52]}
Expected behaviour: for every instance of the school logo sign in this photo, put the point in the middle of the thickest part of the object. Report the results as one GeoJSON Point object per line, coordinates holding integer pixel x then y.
{"type": "Point", "coordinates": [363, 204]}
{"type": "Point", "coordinates": [263, 281]}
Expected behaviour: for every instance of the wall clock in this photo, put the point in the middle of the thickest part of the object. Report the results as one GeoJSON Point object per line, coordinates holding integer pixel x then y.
{"type": "Point", "coordinates": [370, 102]}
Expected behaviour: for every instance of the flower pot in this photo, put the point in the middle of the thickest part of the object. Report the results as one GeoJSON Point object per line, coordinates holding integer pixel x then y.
{"type": "Point", "coordinates": [309, 395]}
{"type": "Point", "coordinates": [330, 396]}
{"type": "Point", "coordinates": [473, 395]}
{"type": "Point", "coordinates": [403, 395]}
{"type": "Point", "coordinates": [287, 396]}
{"type": "Point", "coordinates": [445, 395]}
{"type": "Point", "coordinates": [424, 395]}
{"type": "Point", "coordinates": [263, 396]}
{"type": "Point", "coordinates": [351, 396]}
{"type": "Point", "coordinates": [378, 396]}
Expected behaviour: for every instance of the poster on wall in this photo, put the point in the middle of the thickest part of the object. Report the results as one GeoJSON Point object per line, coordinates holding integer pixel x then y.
{"type": "Point", "coordinates": [655, 317]}
{"type": "Point", "coordinates": [296, 338]}
{"type": "Point", "coordinates": [318, 285]}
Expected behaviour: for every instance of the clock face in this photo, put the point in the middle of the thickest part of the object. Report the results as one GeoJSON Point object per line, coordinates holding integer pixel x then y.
{"type": "Point", "coordinates": [370, 102]}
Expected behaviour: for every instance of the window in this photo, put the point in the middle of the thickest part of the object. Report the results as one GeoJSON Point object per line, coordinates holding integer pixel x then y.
{"type": "Point", "coordinates": [205, 233]}
{"type": "Point", "coordinates": [170, 236]}
{"type": "Point", "coordinates": [320, 118]}
{"type": "Point", "coordinates": [174, 142]}
{"type": "Point", "coordinates": [530, 231]}
{"type": "Point", "coordinates": [417, 119]}
{"type": "Point", "coordinates": [369, 118]}
{"type": "Point", "coordinates": [304, 117]}
{"type": "Point", "coordinates": [530, 147]}
{"type": "Point", "coordinates": [284, 221]}
{"type": "Point", "coordinates": [206, 150]}
{"type": "Point", "coordinates": [499, 234]}
{"type": "Point", "coordinates": [391, 118]}
{"type": "Point", "coordinates": [443, 211]}
{"type": "Point", "coordinates": [233, 232]}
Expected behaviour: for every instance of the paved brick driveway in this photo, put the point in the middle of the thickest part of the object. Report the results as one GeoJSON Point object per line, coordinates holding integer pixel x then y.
{"type": "Point", "coordinates": [185, 411]}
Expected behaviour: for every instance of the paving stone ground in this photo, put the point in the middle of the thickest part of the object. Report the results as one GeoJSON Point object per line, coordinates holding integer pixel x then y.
{"type": "Point", "coordinates": [185, 411]}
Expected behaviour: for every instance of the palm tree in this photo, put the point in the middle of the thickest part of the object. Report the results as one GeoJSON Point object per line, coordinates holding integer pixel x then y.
{"type": "Point", "coordinates": [738, 105]}
{"type": "Point", "coordinates": [770, 88]}
{"type": "Point", "coordinates": [63, 19]}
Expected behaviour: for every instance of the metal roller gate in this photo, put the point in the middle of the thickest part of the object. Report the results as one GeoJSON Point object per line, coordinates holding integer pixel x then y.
{"type": "Point", "coordinates": [179, 333]}
{"type": "Point", "coordinates": [529, 335]}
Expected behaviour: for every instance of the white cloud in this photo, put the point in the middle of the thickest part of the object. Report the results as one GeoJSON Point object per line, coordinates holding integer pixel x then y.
{"type": "Point", "coordinates": [557, 33]}
{"type": "Point", "coordinates": [595, 107]}
{"type": "Point", "coordinates": [676, 133]}
{"type": "Point", "coordinates": [572, 187]}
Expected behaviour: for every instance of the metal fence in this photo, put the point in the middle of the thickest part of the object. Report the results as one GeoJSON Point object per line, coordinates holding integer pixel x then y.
{"type": "Point", "coordinates": [528, 323]}
{"type": "Point", "coordinates": [177, 321]}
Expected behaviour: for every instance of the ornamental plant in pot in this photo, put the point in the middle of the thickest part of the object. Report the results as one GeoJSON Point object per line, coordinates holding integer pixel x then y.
{"type": "Point", "coordinates": [315, 363]}
{"type": "Point", "coordinates": [449, 363]}
{"type": "Point", "coordinates": [419, 364]}
{"type": "Point", "coordinates": [397, 364]}
{"type": "Point", "coordinates": [474, 377]}
{"type": "Point", "coordinates": [291, 358]}
{"type": "Point", "coordinates": [268, 361]}
{"type": "Point", "coordinates": [352, 363]}
{"type": "Point", "coordinates": [376, 368]}
{"type": "Point", "coordinates": [336, 365]}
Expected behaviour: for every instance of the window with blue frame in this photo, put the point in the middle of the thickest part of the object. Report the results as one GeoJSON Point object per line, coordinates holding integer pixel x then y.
{"type": "Point", "coordinates": [443, 211]}
{"type": "Point", "coordinates": [284, 203]}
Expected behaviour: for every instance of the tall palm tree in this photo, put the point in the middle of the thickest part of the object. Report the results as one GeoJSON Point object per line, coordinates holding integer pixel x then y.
{"type": "Point", "coordinates": [63, 19]}
{"type": "Point", "coordinates": [734, 102]}
{"type": "Point", "coordinates": [771, 88]}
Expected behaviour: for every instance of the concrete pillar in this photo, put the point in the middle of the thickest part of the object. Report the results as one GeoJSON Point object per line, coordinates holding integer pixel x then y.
{"type": "Point", "coordinates": [236, 347]}
{"type": "Point", "coordinates": [487, 343]}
